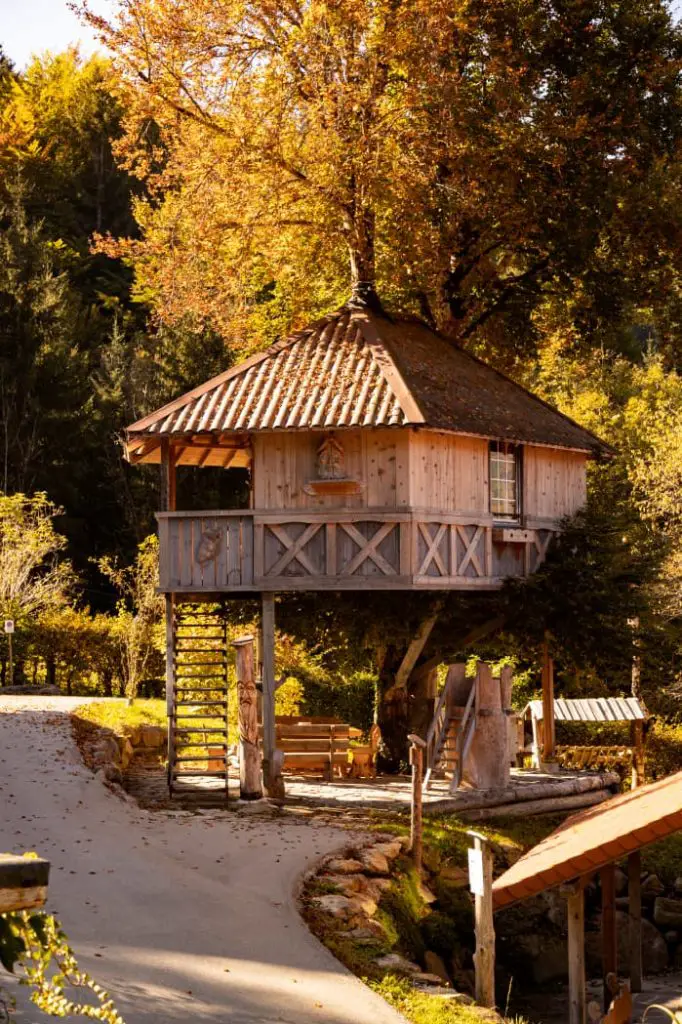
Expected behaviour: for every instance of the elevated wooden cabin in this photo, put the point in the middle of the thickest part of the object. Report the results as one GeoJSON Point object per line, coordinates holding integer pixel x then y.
{"type": "Point", "coordinates": [380, 456]}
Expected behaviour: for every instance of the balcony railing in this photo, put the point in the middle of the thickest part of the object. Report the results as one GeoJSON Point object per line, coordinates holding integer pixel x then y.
{"type": "Point", "coordinates": [354, 550]}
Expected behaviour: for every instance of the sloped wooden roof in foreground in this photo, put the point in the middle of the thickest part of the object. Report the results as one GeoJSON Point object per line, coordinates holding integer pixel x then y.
{"type": "Point", "coordinates": [594, 838]}
{"type": "Point", "coordinates": [590, 709]}
{"type": "Point", "coordinates": [360, 368]}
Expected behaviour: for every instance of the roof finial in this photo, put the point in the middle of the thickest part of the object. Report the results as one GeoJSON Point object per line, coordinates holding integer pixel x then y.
{"type": "Point", "coordinates": [364, 296]}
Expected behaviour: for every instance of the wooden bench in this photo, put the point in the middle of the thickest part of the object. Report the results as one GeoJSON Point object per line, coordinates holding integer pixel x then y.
{"type": "Point", "coordinates": [313, 744]}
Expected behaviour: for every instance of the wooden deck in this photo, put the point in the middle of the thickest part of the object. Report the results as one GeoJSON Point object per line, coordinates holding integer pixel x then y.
{"type": "Point", "coordinates": [343, 550]}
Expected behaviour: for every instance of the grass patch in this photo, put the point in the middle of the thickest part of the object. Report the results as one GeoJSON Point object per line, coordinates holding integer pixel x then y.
{"type": "Point", "coordinates": [120, 718]}
{"type": "Point", "coordinates": [424, 1009]}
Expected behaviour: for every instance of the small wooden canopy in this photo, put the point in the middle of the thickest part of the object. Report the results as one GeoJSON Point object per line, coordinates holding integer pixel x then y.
{"type": "Point", "coordinates": [590, 709]}
{"type": "Point", "coordinates": [355, 368]}
{"type": "Point", "coordinates": [593, 839]}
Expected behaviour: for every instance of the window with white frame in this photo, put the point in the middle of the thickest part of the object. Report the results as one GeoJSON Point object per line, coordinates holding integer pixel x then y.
{"type": "Point", "coordinates": [505, 481]}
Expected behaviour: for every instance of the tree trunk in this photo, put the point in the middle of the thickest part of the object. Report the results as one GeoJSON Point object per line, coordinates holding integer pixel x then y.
{"type": "Point", "coordinates": [361, 248]}
{"type": "Point", "coordinates": [392, 714]}
{"type": "Point", "coordinates": [107, 683]}
{"type": "Point", "coordinates": [50, 670]}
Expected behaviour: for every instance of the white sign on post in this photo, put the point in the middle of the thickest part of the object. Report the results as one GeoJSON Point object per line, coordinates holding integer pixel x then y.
{"type": "Point", "coordinates": [476, 871]}
{"type": "Point", "coordinates": [9, 625]}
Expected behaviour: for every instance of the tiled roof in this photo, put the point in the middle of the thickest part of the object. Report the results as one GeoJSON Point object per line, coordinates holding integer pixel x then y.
{"type": "Point", "coordinates": [359, 368]}
{"type": "Point", "coordinates": [592, 709]}
{"type": "Point", "coordinates": [594, 838]}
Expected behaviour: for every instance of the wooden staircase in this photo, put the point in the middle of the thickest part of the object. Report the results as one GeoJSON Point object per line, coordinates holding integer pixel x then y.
{"type": "Point", "coordinates": [452, 730]}
{"type": "Point", "coordinates": [198, 716]}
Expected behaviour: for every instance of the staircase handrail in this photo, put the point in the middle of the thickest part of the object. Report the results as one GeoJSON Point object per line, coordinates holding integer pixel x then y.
{"type": "Point", "coordinates": [466, 732]}
{"type": "Point", "coordinates": [436, 734]}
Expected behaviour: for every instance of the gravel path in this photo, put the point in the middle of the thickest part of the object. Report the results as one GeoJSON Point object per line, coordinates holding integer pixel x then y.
{"type": "Point", "coordinates": [182, 917]}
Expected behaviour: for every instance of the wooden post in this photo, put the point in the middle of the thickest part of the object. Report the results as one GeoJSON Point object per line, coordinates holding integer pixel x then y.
{"type": "Point", "coordinates": [250, 787]}
{"type": "Point", "coordinates": [607, 876]}
{"type": "Point", "coordinates": [168, 477]}
{"type": "Point", "coordinates": [272, 778]}
{"type": "Point", "coordinates": [417, 746]}
{"type": "Point", "coordinates": [577, 999]}
{"type": "Point", "coordinates": [23, 882]}
{"type": "Point", "coordinates": [635, 919]}
{"type": "Point", "coordinates": [637, 744]}
{"type": "Point", "coordinates": [481, 885]}
{"type": "Point", "coordinates": [547, 704]}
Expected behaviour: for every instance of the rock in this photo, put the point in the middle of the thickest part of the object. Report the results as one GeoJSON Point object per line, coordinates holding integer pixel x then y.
{"type": "Point", "coordinates": [672, 937]}
{"type": "Point", "coordinates": [389, 850]}
{"type": "Point", "coordinates": [621, 880]}
{"type": "Point", "coordinates": [426, 893]}
{"type": "Point", "coordinates": [667, 913]}
{"type": "Point", "coordinates": [335, 906]}
{"type": "Point", "coordinates": [152, 736]}
{"type": "Point", "coordinates": [361, 934]}
{"type": "Point", "coordinates": [346, 884]}
{"type": "Point", "coordinates": [375, 887]}
{"type": "Point", "coordinates": [622, 903]}
{"type": "Point", "coordinates": [424, 978]}
{"type": "Point", "coordinates": [454, 875]}
{"type": "Point", "coordinates": [340, 866]}
{"type": "Point", "coordinates": [652, 886]}
{"type": "Point", "coordinates": [545, 958]}
{"type": "Point", "coordinates": [677, 958]}
{"type": "Point", "coordinates": [434, 965]}
{"type": "Point", "coordinates": [373, 863]}
{"type": "Point", "coordinates": [678, 886]}
{"type": "Point", "coordinates": [654, 949]}
{"type": "Point", "coordinates": [398, 964]}
{"type": "Point", "coordinates": [557, 910]}
{"type": "Point", "coordinates": [362, 903]}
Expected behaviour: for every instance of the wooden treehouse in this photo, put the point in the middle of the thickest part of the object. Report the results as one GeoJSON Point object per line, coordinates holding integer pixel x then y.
{"type": "Point", "coordinates": [380, 456]}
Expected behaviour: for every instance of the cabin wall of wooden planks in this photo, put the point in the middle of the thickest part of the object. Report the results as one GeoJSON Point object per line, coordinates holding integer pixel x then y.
{"type": "Point", "coordinates": [554, 482]}
{"type": "Point", "coordinates": [418, 469]}
{"type": "Point", "coordinates": [283, 463]}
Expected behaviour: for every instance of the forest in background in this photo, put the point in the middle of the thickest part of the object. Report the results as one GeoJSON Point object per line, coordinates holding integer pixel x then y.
{"type": "Point", "coordinates": [510, 172]}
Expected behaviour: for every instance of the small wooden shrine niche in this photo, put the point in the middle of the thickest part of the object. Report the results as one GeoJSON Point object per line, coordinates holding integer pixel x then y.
{"type": "Point", "coordinates": [332, 478]}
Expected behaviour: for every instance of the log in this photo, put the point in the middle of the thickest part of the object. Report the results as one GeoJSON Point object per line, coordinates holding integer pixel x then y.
{"type": "Point", "coordinates": [250, 787]}
{"type": "Point", "coordinates": [272, 777]}
{"type": "Point", "coordinates": [484, 957]}
{"type": "Point", "coordinates": [548, 806]}
{"type": "Point", "coordinates": [523, 793]}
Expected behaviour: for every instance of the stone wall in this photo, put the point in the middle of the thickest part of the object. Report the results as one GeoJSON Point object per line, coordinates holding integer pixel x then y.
{"type": "Point", "coordinates": [111, 754]}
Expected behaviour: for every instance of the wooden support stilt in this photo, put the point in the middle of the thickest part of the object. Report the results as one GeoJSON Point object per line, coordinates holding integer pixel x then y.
{"type": "Point", "coordinates": [417, 746]}
{"type": "Point", "coordinates": [481, 884]}
{"type": "Point", "coordinates": [637, 744]}
{"type": "Point", "coordinates": [272, 769]}
{"type": "Point", "coordinates": [547, 705]}
{"type": "Point", "coordinates": [635, 919]}
{"type": "Point", "coordinates": [577, 998]}
{"type": "Point", "coordinates": [607, 877]}
{"type": "Point", "coordinates": [250, 787]}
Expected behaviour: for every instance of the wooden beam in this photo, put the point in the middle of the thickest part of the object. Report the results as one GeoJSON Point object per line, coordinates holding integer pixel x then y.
{"type": "Point", "coordinates": [607, 877]}
{"type": "Point", "coordinates": [416, 647]}
{"type": "Point", "coordinates": [250, 787]}
{"type": "Point", "coordinates": [635, 919]}
{"type": "Point", "coordinates": [272, 776]}
{"type": "Point", "coordinates": [547, 703]}
{"type": "Point", "coordinates": [577, 998]}
{"type": "Point", "coordinates": [167, 497]}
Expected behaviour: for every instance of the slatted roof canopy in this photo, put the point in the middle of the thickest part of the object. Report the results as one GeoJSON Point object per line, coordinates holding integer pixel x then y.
{"type": "Point", "coordinates": [593, 838]}
{"type": "Point", "coordinates": [359, 368]}
{"type": "Point", "coordinates": [591, 709]}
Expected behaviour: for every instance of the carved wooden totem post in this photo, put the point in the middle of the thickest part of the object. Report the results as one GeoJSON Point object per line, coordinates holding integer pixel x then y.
{"type": "Point", "coordinates": [250, 787]}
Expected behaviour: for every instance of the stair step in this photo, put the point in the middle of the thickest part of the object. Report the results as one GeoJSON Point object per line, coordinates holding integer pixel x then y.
{"type": "Point", "coordinates": [198, 689]}
{"type": "Point", "coordinates": [218, 773]}
{"type": "Point", "coordinates": [201, 757]}
{"type": "Point", "coordinates": [200, 728]}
